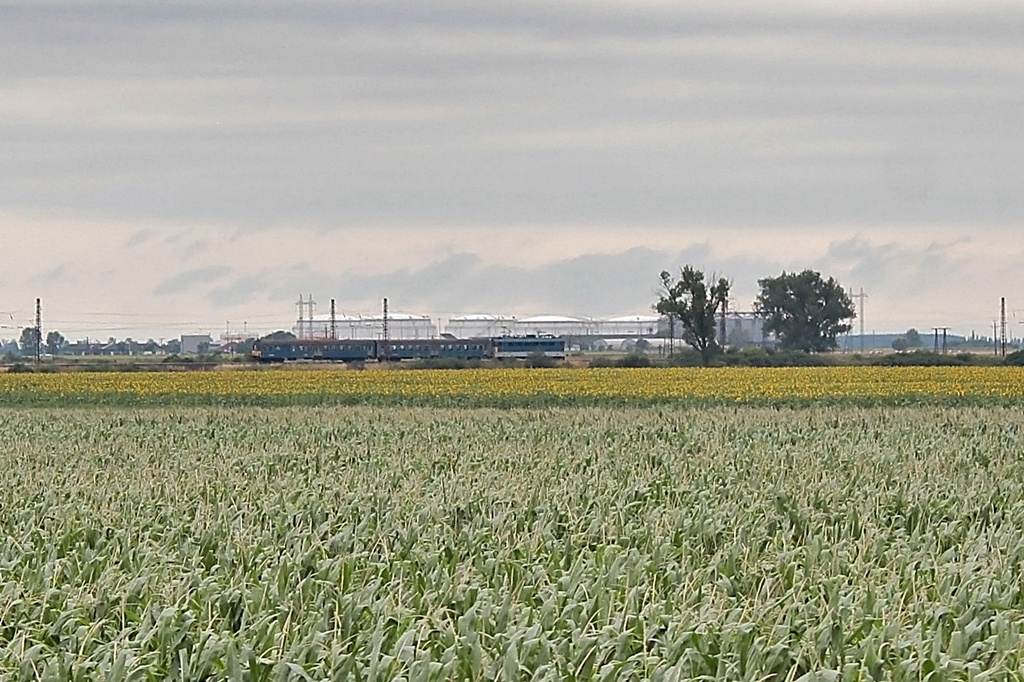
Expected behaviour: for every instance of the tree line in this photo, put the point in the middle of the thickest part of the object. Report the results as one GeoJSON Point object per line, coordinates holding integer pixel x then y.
{"type": "Point", "coordinates": [804, 311]}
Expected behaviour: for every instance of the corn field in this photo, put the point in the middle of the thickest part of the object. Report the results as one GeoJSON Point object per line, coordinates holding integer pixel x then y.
{"type": "Point", "coordinates": [365, 543]}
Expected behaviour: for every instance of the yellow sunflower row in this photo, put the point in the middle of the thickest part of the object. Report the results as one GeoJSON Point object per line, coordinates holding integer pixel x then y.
{"type": "Point", "coordinates": [677, 384]}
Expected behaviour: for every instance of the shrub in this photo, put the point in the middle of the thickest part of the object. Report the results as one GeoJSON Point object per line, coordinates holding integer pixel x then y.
{"type": "Point", "coordinates": [634, 359]}
{"type": "Point", "coordinates": [1016, 359]}
{"type": "Point", "coordinates": [540, 361]}
{"type": "Point", "coordinates": [921, 358]}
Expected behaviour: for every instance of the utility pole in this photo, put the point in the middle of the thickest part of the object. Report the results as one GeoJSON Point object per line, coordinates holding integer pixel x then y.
{"type": "Point", "coordinates": [721, 323]}
{"type": "Point", "coordinates": [334, 322]}
{"type": "Point", "coordinates": [861, 296]}
{"type": "Point", "coordinates": [386, 333]}
{"type": "Point", "coordinates": [302, 315]}
{"type": "Point", "coordinates": [39, 331]}
{"type": "Point", "coordinates": [311, 304]}
{"type": "Point", "coordinates": [1002, 326]}
{"type": "Point", "coordinates": [943, 330]}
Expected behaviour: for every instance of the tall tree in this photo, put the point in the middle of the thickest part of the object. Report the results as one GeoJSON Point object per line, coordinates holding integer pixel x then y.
{"type": "Point", "coordinates": [695, 304]}
{"type": "Point", "coordinates": [804, 311]}
{"type": "Point", "coordinates": [55, 342]}
{"type": "Point", "coordinates": [28, 340]}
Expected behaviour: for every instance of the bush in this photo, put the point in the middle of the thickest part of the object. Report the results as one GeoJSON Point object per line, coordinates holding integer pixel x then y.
{"type": "Point", "coordinates": [445, 363]}
{"type": "Point", "coordinates": [767, 357]}
{"type": "Point", "coordinates": [685, 358]}
{"type": "Point", "coordinates": [1016, 359]}
{"type": "Point", "coordinates": [634, 359]}
{"type": "Point", "coordinates": [922, 358]}
{"type": "Point", "coordinates": [540, 361]}
{"type": "Point", "coordinates": [174, 357]}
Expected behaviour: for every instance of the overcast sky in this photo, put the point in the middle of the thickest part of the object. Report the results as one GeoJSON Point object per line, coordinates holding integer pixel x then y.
{"type": "Point", "coordinates": [172, 166]}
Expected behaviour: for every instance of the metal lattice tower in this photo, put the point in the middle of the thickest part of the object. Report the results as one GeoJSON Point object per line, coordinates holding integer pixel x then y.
{"type": "Point", "coordinates": [39, 331]}
{"type": "Point", "coordinates": [334, 322]}
{"type": "Point", "coordinates": [1002, 326]}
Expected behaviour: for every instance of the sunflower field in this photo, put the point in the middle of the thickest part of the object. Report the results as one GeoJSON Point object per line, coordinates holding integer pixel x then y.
{"type": "Point", "coordinates": [520, 387]}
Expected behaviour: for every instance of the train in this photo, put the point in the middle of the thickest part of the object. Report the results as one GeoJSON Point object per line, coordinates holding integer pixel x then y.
{"type": "Point", "coordinates": [361, 350]}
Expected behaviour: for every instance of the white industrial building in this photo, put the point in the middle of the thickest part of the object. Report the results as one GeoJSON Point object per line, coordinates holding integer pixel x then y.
{"type": "Point", "coordinates": [400, 326]}
{"type": "Point", "coordinates": [632, 326]}
{"type": "Point", "coordinates": [480, 325]}
{"type": "Point", "coordinates": [629, 326]}
{"type": "Point", "coordinates": [414, 326]}
{"type": "Point", "coordinates": [556, 325]}
{"type": "Point", "coordinates": [195, 343]}
{"type": "Point", "coordinates": [745, 329]}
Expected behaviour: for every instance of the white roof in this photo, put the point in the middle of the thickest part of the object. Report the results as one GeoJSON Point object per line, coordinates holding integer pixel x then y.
{"type": "Point", "coordinates": [480, 317]}
{"type": "Point", "coordinates": [550, 318]}
{"type": "Point", "coordinates": [634, 318]}
{"type": "Point", "coordinates": [339, 317]}
{"type": "Point", "coordinates": [401, 317]}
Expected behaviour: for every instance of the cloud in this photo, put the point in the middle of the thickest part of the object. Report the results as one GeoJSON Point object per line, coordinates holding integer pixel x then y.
{"type": "Point", "coordinates": [189, 280]}
{"type": "Point", "coordinates": [509, 156]}
{"type": "Point", "coordinates": [138, 238]}
{"type": "Point", "coordinates": [239, 291]}
{"type": "Point", "coordinates": [457, 113]}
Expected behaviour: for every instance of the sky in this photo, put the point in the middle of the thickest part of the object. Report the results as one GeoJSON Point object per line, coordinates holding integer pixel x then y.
{"type": "Point", "coordinates": [181, 166]}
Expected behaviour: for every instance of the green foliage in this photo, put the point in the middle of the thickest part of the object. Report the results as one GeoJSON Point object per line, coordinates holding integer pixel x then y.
{"type": "Point", "coordinates": [685, 357]}
{"type": "Point", "coordinates": [27, 340]}
{"type": "Point", "coordinates": [55, 342]}
{"type": "Point", "coordinates": [804, 311]}
{"type": "Point", "coordinates": [909, 341]}
{"type": "Point", "coordinates": [175, 358]}
{"type": "Point", "coordinates": [538, 360]}
{"type": "Point", "coordinates": [634, 359]}
{"type": "Point", "coordinates": [769, 357]}
{"type": "Point", "coordinates": [443, 363]}
{"type": "Point", "coordinates": [923, 358]}
{"type": "Point", "coordinates": [1016, 358]}
{"type": "Point", "coordinates": [570, 544]}
{"type": "Point", "coordinates": [279, 336]}
{"type": "Point", "coordinates": [695, 305]}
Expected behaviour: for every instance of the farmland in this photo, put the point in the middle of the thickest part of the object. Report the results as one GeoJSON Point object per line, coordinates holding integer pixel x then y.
{"type": "Point", "coordinates": [523, 388]}
{"type": "Point", "coordinates": [670, 541]}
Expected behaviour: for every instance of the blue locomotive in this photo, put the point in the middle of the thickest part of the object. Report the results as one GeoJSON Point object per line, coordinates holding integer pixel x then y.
{"type": "Point", "coordinates": [361, 350]}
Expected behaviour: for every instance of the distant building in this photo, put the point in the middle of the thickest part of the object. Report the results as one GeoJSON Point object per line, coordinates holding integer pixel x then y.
{"type": "Point", "coordinates": [400, 326]}
{"type": "Point", "coordinates": [632, 326]}
{"type": "Point", "coordinates": [744, 330]}
{"type": "Point", "coordinates": [556, 325]}
{"type": "Point", "coordinates": [480, 325]}
{"type": "Point", "coordinates": [192, 344]}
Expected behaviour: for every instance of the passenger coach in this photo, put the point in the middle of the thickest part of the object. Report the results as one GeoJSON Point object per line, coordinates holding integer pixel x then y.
{"type": "Point", "coordinates": [338, 350]}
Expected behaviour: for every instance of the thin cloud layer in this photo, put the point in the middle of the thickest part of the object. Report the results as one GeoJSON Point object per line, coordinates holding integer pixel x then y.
{"type": "Point", "coordinates": [507, 155]}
